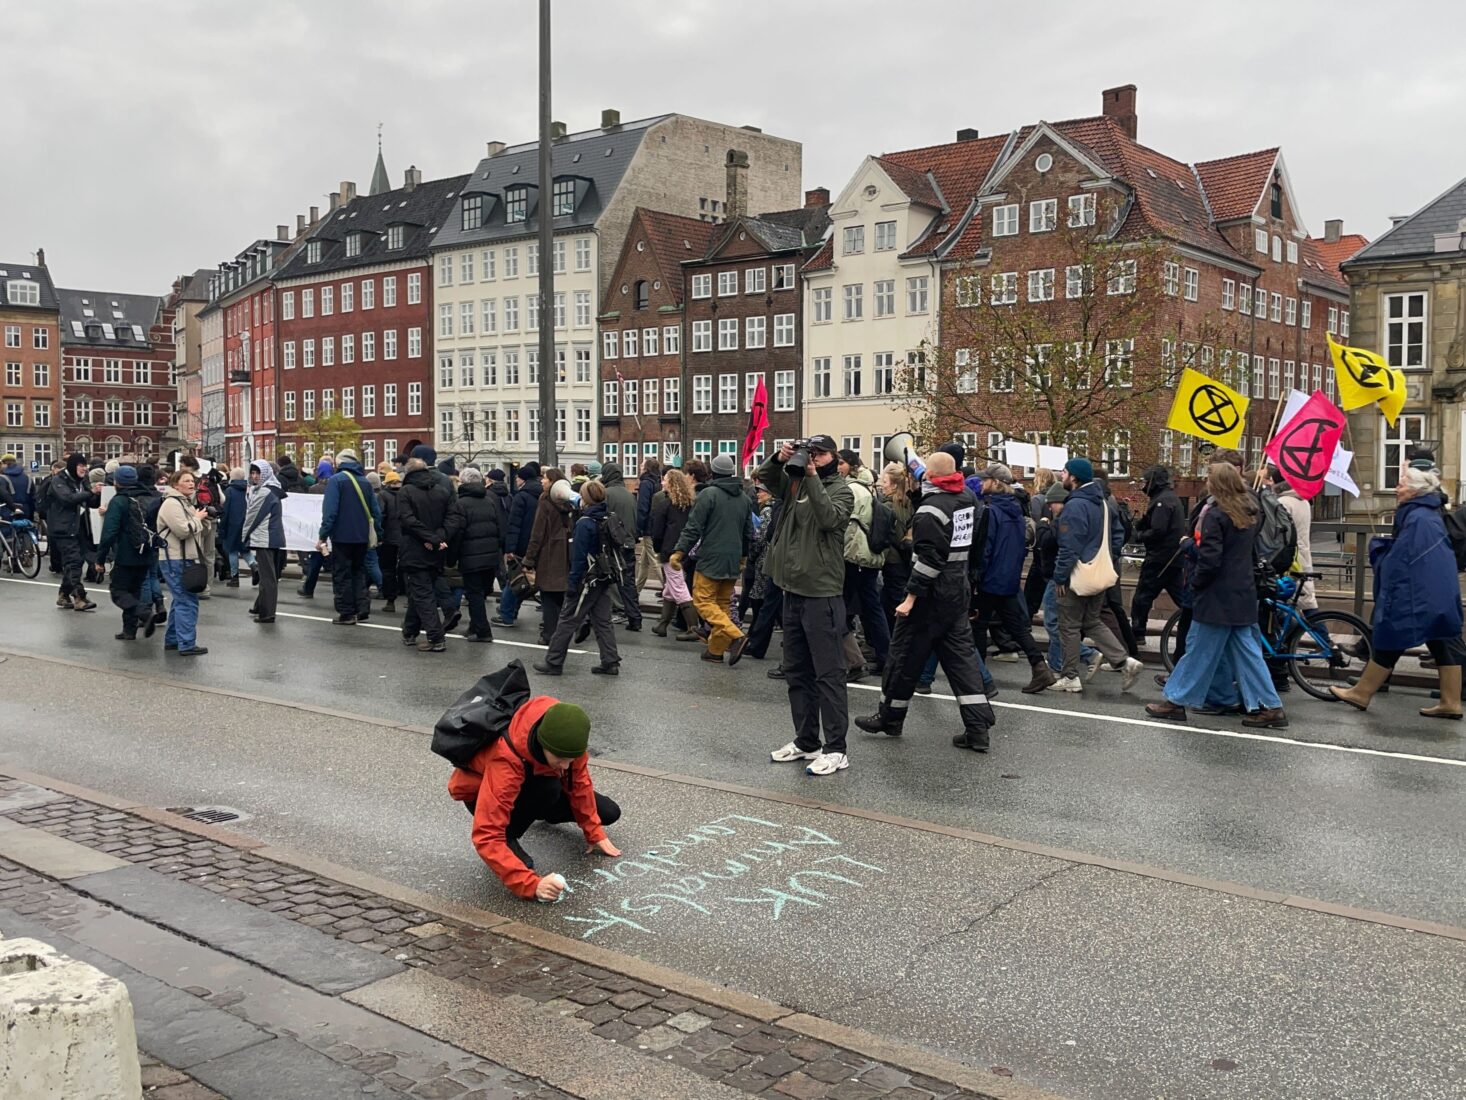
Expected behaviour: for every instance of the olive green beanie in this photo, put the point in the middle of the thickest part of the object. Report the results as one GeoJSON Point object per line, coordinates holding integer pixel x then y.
{"type": "Point", "coordinates": [564, 730]}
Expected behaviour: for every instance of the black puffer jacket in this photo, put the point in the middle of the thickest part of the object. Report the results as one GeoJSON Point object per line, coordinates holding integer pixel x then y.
{"type": "Point", "coordinates": [428, 513]}
{"type": "Point", "coordinates": [1224, 580]}
{"type": "Point", "coordinates": [66, 495]}
{"type": "Point", "coordinates": [481, 541]}
{"type": "Point", "coordinates": [290, 478]}
{"type": "Point", "coordinates": [390, 499]}
{"type": "Point", "coordinates": [1164, 523]}
{"type": "Point", "coordinates": [667, 521]}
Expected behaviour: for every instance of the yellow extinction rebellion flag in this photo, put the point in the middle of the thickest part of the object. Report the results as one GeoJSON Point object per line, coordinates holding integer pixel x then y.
{"type": "Point", "coordinates": [1365, 378]}
{"type": "Point", "coordinates": [1206, 408]}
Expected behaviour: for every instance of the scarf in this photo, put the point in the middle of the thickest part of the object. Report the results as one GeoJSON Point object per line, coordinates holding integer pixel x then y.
{"type": "Point", "coordinates": [259, 495]}
{"type": "Point", "coordinates": [948, 483]}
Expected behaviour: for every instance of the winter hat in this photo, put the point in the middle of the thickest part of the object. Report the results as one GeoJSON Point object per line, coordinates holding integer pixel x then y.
{"type": "Point", "coordinates": [7, 459]}
{"type": "Point", "coordinates": [849, 457]}
{"type": "Point", "coordinates": [998, 472]}
{"type": "Point", "coordinates": [529, 471]}
{"type": "Point", "coordinates": [239, 473]}
{"type": "Point", "coordinates": [1081, 469]}
{"type": "Point", "coordinates": [324, 469]}
{"type": "Point", "coordinates": [124, 475]}
{"type": "Point", "coordinates": [472, 475]}
{"type": "Point", "coordinates": [346, 454]}
{"type": "Point", "coordinates": [374, 479]}
{"type": "Point", "coordinates": [111, 466]}
{"type": "Point", "coordinates": [564, 730]}
{"type": "Point", "coordinates": [593, 469]}
{"type": "Point", "coordinates": [425, 453]}
{"type": "Point", "coordinates": [447, 466]}
{"type": "Point", "coordinates": [724, 466]}
{"type": "Point", "coordinates": [957, 451]}
{"type": "Point", "coordinates": [392, 477]}
{"type": "Point", "coordinates": [496, 475]}
{"type": "Point", "coordinates": [97, 476]}
{"type": "Point", "coordinates": [1056, 494]}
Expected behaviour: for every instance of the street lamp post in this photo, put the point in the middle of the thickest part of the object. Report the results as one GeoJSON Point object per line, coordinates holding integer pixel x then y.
{"type": "Point", "coordinates": [547, 264]}
{"type": "Point", "coordinates": [242, 377]}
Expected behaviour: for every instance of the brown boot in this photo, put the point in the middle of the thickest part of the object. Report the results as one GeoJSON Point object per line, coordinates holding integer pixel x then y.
{"type": "Point", "coordinates": [1043, 676]}
{"type": "Point", "coordinates": [63, 601]}
{"type": "Point", "coordinates": [1450, 704]}
{"type": "Point", "coordinates": [691, 621]}
{"type": "Point", "coordinates": [669, 611]}
{"type": "Point", "coordinates": [1364, 688]}
{"type": "Point", "coordinates": [81, 603]}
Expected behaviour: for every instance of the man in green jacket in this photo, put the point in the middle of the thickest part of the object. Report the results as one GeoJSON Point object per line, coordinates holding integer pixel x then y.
{"type": "Point", "coordinates": [719, 521]}
{"type": "Point", "coordinates": [807, 561]}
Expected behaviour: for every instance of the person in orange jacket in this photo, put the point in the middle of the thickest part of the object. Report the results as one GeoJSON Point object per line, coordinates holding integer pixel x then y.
{"type": "Point", "coordinates": [538, 771]}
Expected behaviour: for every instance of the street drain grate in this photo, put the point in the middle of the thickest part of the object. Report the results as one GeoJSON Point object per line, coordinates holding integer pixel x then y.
{"type": "Point", "coordinates": [209, 815]}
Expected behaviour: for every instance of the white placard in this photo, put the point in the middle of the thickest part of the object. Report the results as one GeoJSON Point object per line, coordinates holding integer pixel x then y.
{"type": "Point", "coordinates": [1052, 458]}
{"type": "Point", "coordinates": [301, 515]}
{"type": "Point", "coordinates": [1018, 453]}
{"type": "Point", "coordinates": [98, 515]}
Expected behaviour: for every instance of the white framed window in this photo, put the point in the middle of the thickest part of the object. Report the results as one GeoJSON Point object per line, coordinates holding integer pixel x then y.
{"type": "Point", "coordinates": [308, 302]}
{"type": "Point", "coordinates": [348, 297]}
{"type": "Point", "coordinates": [756, 280]}
{"type": "Point", "coordinates": [414, 288]}
{"type": "Point", "coordinates": [389, 291]}
{"type": "Point", "coordinates": [630, 346]}
{"type": "Point", "coordinates": [702, 285]}
{"type": "Point", "coordinates": [582, 254]}
{"type": "Point", "coordinates": [750, 389]}
{"type": "Point", "coordinates": [1395, 444]}
{"type": "Point", "coordinates": [511, 314]}
{"type": "Point", "coordinates": [821, 302]}
{"type": "Point", "coordinates": [40, 338]}
{"type": "Point", "coordinates": [1261, 311]}
{"type": "Point", "coordinates": [702, 449]}
{"type": "Point", "coordinates": [784, 277]}
{"type": "Point", "coordinates": [1333, 322]}
{"type": "Point", "coordinates": [1081, 210]}
{"type": "Point", "coordinates": [672, 396]}
{"type": "Point", "coordinates": [389, 344]}
{"type": "Point", "coordinates": [414, 399]}
{"type": "Point", "coordinates": [582, 309]}
{"type": "Point", "coordinates": [1005, 220]}
{"type": "Point", "coordinates": [287, 355]}
{"type": "Point", "coordinates": [1171, 278]}
{"type": "Point", "coordinates": [328, 351]}
{"type": "Point", "coordinates": [368, 401]}
{"type": "Point", "coordinates": [651, 395]}
{"type": "Point", "coordinates": [1307, 319]}
{"type": "Point", "coordinates": [702, 336]}
{"type": "Point", "coordinates": [1004, 377]}
{"type": "Point", "coordinates": [467, 312]}
{"type": "Point", "coordinates": [1290, 311]}
{"type": "Point", "coordinates": [1041, 285]}
{"type": "Point", "coordinates": [290, 405]}
{"type": "Point", "coordinates": [630, 396]}
{"type": "Point", "coordinates": [308, 405]}
{"type": "Point", "coordinates": [702, 393]}
{"type": "Point", "coordinates": [1120, 362]}
{"type": "Point", "coordinates": [883, 294]}
{"type": "Point", "coordinates": [1192, 284]}
{"type": "Point", "coordinates": [348, 348]}
{"type": "Point", "coordinates": [727, 393]}
{"type": "Point", "coordinates": [558, 307]}
{"type": "Point", "coordinates": [854, 375]}
{"type": "Point", "coordinates": [446, 425]}
{"type": "Point", "coordinates": [582, 365]}
{"type": "Point", "coordinates": [918, 294]}
{"type": "Point", "coordinates": [755, 332]}
{"type": "Point", "coordinates": [783, 330]}
{"type": "Point", "coordinates": [395, 236]}
{"type": "Point", "coordinates": [728, 334]}
{"type": "Point", "coordinates": [883, 367]}
{"type": "Point", "coordinates": [414, 343]}
{"type": "Point", "coordinates": [511, 366]}
{"type": "Point", "coordinates": [727, 284]}
{"type": "Point", "coordinates": [1277, 306]}
{"type": "Point", "coordinates": [822, 376]}
{"type": "Point", "coordinates": [368, 347]}
{"type": "Point", "coordinates": [1344, 323]}
{"type": "Point", "coordinates": [557, 253]}
{"type": "Point", "coordinates": [1292, 252]}
{"type": "Point", "coordinates": [389, 402]}
{"type": "Point", "coordinates": [967, 290]}
{"type": "Point", "coordinates": [1121, 278]}
{"type": "Point", "coordinates": [1244, 298]}
{"type": "Point", "coordinates": [1003, 289]}
{"type": "Point", "coordinates": [489, 316]}
{"type": "Point", "coordinates": [1406, 339]}
{"type": "Point", "coordinates": [1043, 215]}
{"type": "Point", "coordinates": [531, 313]}
{"type": "Point", "coordinates": [287, 305]}
{"type": "Point", "coordinates": [308, 353]}
{"type": "Point", "coordinates": [1078, 280]}
{"type": "Point", "coordinates": [348, 401]}
{"type": "Point", "coordinates": [1274, 378]}
{"type": "Point", "coordinates": [445, 270]}
{"type": "Point", "coordinates": [511, 425]}
{"type": "Point", "coordinates": [369, 294]}
{"type": "Point", "coordinates": [783, 391]}
{"type": "Point", "coordinates": [1116, 454]}
{"type": "Point", "coordinates": [1277, 249]}
{"type": "Point", "coordinates": [852, 240]}
{"type": "Point", "coordinates": [1260, 240]}
{"type": "Point", "coordinates": [966, 380]}
{"type": "Point", "coordinates": [445, 319]}
{"type": "Point", "coordinates": [582, 425]}
{"type": "Point", "coordinates": [328, 301]}
{"type": "Point", "coordinates": [511, 263]}
{"type": "Point", "coordinates": [650, 341]}
{"type": "Point", "coordinates": [532, 259]}
{"type": "Point", "coordinates": [1229, 293]}
{"type": "Point", "coordinates": [854, 301]}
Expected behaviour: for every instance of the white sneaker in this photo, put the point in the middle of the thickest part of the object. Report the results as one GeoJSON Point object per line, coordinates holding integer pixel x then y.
{"type": "Point", "coordinates": [1008, 656]}
{"type": "Point", "coordinates": [790, 753]}
{"type": "Point", "coordinates": [1132, 670]}
{"type": "Point", "coordinates": [827, 763]}
{"type": "Point", "coordinates": [1067, 683]}
{"type": "Point", "coordinates": [1095, 664]}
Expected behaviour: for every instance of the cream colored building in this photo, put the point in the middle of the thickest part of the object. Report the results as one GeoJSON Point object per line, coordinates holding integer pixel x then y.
{"type": "Point", "coordinates": [869, 306]}
{"type": "Point", "coordinates": [486, 263]}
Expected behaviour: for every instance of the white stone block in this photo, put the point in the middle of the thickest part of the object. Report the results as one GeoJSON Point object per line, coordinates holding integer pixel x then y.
{"type": "Point", "coordinates": [66, 1029]}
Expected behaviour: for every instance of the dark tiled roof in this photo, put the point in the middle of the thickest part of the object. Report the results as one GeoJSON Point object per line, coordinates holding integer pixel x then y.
{"type": "Point", "coordinates": [196, 286]}
{"type": "Point", "coordinates": [813, 222]}
{"type": "Point", "coordinates": [141, 310]}
{"type": "Point", "coordinates": [420, 211]}
{"type": "Point", "coordinates": [1234, 185]}
{"type": "Point", "coordinates": [33, 273]}
{"type": "Point", "coordinates": [672, 239]}
{"type": "Point", "coordinates": [1415, 236]}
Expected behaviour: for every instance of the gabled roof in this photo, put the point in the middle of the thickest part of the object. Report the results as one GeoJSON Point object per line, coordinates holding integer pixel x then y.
{"type": "Point", "coordinates": [672, 239]}
{"type": "Point", "coordinates": [1236, 185]}
{"type": "Point", "coordinates": [196, 286]}
{"type": "Point", "coordinates": [31, 273]}
{"type": "Point", "coordinates": [812, 222]}
{"type": "Point", "coordinates": [823, 258]}
{"type": "Point", "coordinates": [420, 211]}
{"type": "Point", "coordinates": [88, 315]}
{"type": "Point", "coordinates": [1415, 236]}
{"type": "Point", "coordinates": [1330, 254]}
{"type": "Point", "coordinates": [916, 184]}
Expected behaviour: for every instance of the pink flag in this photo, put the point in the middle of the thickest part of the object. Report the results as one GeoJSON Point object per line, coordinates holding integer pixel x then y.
{"type": "Point", "coordinates": [758, 422]}
{"type": "Point", "coordinates": [1303, 449]}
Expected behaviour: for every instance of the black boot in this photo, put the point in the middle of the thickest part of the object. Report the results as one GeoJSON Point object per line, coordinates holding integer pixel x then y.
{"type": "Point", "coordinates": [977, 742]}
{"type": "Point", "coordinates": [882, 721]}
{"type": "Point", "coordinates": [690, 620]}
{"type": "Point", "coordinates": [669, 610]}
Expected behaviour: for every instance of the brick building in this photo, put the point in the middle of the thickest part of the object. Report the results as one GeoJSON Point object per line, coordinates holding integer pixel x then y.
{"type": "Point", "coordinates": [117, 385]}
{"type": "Point", "coordinates": [744, 314]}
{"type": "Point", "coordinates": [641, 393]}
{"type": "Point", "coordinates": [191, 292]}
{"type": "Point", "coordinates": [354, 316]}
{"type": "Point", "coordinates": [30, 388]}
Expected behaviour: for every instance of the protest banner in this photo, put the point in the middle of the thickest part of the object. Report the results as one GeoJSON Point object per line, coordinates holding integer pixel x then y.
{"type": "Point", "coordinates": [1303, 448]}
{"type": "Point", "coordinates": [300, 513]}
{"type": "Point", "coordinates": [1207, 409]}
{"type": "Point", "coordinates": [1365, 378]}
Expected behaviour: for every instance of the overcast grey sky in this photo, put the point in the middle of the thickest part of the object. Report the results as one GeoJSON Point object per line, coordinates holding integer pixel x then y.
{"type": "Point", "coordinates": [154, 137]}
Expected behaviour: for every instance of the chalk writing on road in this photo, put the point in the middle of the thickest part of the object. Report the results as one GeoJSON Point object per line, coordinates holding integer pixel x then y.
{"type": "Point", "coordinates": [732, 863]}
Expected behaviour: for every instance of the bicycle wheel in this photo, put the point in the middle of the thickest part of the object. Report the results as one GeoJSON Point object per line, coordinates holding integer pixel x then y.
{"type": "Point", "coordinates": [1329, 652]}
{"type": "Point", "coordinates": [28, 554]}
{"type": "Point", "coordinates": [1169, 642]}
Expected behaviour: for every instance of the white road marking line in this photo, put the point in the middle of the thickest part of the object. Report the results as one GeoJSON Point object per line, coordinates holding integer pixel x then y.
{"type": "Point", "coordinates": [1172, 727]}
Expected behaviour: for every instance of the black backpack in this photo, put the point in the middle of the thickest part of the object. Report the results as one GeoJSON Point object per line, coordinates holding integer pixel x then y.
{"type": "Point", "coordinates": [141, 534]}
{"type": "Point", "coordinates": [885, 529]}
{"type": "Point", "coordinates": [614, 533]}
{"type": "Point", "coordinates": [1455, 521]}
{"type": "Point", "coordinates": [606, 564]}
{"type": "Point", "coordinates": [1277, 537]}
{"type": "Point", "coordinates": [481, 715]}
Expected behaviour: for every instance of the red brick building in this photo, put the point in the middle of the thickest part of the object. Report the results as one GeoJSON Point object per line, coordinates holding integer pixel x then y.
{"type": "Point", "coordinates": [245, 294]}
{"type": "Point", "coordinates": [354, 318]}
{"type": "Point", "coordinates": [30, 387]}
{"type": "Point", "coordinates": [117, 379]}
{"type": "Point", "coordinates": [744, 323]}
{"type": "Point", "coordinates": [642, 340]}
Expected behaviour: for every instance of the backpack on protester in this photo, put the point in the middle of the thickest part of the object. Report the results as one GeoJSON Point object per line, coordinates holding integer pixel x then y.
{"type": "Point", "coordinates": [141, 536]}
{"type": "Point", "coordinates": [1455, 521]}
{"type": "Point", "coordinates": [885, 529]}
{"type": "Point", "coordinates": [1277, 536]}
{"type": "Point", "coordinates": [481, 715]}
{"type": "Point", "coordinates": [612, 540]}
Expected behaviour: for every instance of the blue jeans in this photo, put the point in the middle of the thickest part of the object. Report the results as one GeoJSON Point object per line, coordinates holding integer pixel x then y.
{"type": "Point", "coordinates": [1051, 626]}
{"type": "Point", "coordinates": [374, 568]}
{"type": "Point", "coordinates": [311, 571]}
{"type": "Point", "coordinates": [929, 673]}
{"type": "Point", "coordinates": [234, 555]}
{"type": "Point", "coordinates": [509, 605]}
{"type": "Point", "coordinates": [152, 587]}
{"type": "Point", "coordinates": [183, 619]}
{"type": "Point", "coordinates": [1224, 654]}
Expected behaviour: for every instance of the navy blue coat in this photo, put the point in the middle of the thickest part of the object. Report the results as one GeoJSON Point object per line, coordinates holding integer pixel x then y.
{"type": "Point", "coordinates": [1417, 593]}
{"type": "Point", "coordinates": [646, 488]}
{"type": "Point", "coordinates": [1223, 582]}
{"type": "Point", "coordinates": [231, 525]}
{"type": "Point", "coordinates": [342, 517]}
{"type": "Point", "coordinates": [1079, 531]}
{"type": "Point", "coordinates": [20, 484]}
{"type": "Point", "coordinates": [584, 542]}
{"type": "Point", "coordinates": [1004, 549]}
{"type": "Point", "coordinates": [521, 518]}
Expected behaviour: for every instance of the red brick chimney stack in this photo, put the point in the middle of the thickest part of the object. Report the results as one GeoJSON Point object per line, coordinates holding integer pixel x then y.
{"type": "Point", "coordinates": [1119, 104]}
{"type": "Point", "coordinates": [817, 196]}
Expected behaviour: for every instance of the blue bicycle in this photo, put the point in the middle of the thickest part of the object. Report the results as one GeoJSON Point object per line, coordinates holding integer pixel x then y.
{"type": "Point", "coordinates": [20, 550]}
{"type": "Point", "coordinates": [1322, 648]}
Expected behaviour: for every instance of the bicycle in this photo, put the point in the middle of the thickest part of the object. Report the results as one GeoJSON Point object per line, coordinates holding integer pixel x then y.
{"type": "Point", "coordinates": [20, 550]}
{"type": "Point", "coordinates": [1322, 648]}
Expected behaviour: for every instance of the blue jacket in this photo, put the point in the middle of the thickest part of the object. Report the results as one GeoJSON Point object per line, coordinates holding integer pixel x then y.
{"type": "Point", "coordinates": [1417, 594]}
{"type": "Point", "coordinates": [342, 517]}
{"type": "Point", "coordinates": [521, 518]}
{"type": "Point", "coordinates": [584, 541]}
{"type": "Point", "coordinates": [231, 526]}
{"type": "Point", "coordinates": [646, 488]}
{"type": "Point", "coordinates": [20, 484]}
{"type": "Point", "coordinates": [1080, 533]}
{"type": "Point", "coordinates": [1003, 550]}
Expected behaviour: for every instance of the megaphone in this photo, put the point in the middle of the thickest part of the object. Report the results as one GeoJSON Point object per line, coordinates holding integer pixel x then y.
{"type": "Point", "coordinates": [901, 448]}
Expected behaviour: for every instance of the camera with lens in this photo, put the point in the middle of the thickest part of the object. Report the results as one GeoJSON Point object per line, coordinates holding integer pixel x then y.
{"type": "Point", "coordinates": [799, 459]}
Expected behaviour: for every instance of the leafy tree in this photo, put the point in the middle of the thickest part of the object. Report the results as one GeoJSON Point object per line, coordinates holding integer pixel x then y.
{"type": "Point", "coordinates": [328, 432]}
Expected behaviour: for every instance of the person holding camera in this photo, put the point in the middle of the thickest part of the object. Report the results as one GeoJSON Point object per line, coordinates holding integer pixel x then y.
{"type": "Point", "coordinates": [807, 561]}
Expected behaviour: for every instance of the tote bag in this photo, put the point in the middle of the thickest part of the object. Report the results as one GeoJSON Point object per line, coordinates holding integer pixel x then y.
{"type": "Point", "coordinates": [1090, 578]}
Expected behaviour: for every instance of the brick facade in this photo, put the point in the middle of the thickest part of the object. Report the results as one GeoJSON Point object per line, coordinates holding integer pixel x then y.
{"type": "Point", "coordinates": [30, 385]}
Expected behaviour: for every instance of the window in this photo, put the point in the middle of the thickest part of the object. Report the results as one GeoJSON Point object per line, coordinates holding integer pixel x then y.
{"type": "Point", "coordinates": [288, 355]}
{"type": "Point", "coordinates": [1043, 215]}
{"type": "Point", "coordinates": [702, 336]}
{"type": "Point", "coordinates": [348, 348]}
{"type": "Point", "coordinates": [702, 393]}
{"type": "Point", "coordinates": [750, 389]}
{"type": "Point", "coordinates": [511, 367]}
{"type": "Point", "coordinates": [756, 280]}
{"type": "Point", "coordinates": [1277, 249]}
{"type": "Point", "coordinates": [967, 290]}
{"type": "Point", "coordinates": [755, 332]}
{"type": "Point", "coordinates": [290, 405]}
{"type": "Point", "coordinates": [389, 344]}
{"type": "Point", "coordinates": [822, 376]}
{"type": "Point", "coordinates": [1244, 298]}
{"type": "Point", "coordinates": [611, 345]}
{"type": "Point", "coordinates": [1192, 284]}
{"type": "Point", "coordinates": [727, 283]}
{"type": "Point", "coordinates": [853, 240]}
{"type": "Point", "coordinates": [563, 198]}
{"type": "Point", "coordinates": [445, 319]}
{"type": "Point", "coordinates": [1041, 285]}
{"type": "Point", "coordinates": [885, 236]}
{"type": "Point", "coordinates": [531, 313]}
{"type": "Point", "coordinates": [22, 292]}
{"type": "Point", "coordinates": [822, 301]}
{"type": "Point", "coordinates": [445, 424]}
{"type": "Point", "coordinates": [328, 301]}
{"type": "Point", "coordinates": [702, 449]}
{"type": "Point", "coordinates": [1290, 311]}
{"type": "Point", "coordinates": [308, 353]}
{"type": "Point", "coordinates": [1395, 444]}
{"type": "Point", "coordinates": [414, 399]}
{"type": "Point", "coordinates": [1122, 278]}
{"type": "Point", "coordinates": [15, 414]}
{"type": "Point", "coordinates": [853, 375]}
{"type": "Point", "coordinates": [1005, 220]}
{"type": "Point", "coordinates": [672, 396]}
{"type": "Point", "coordinates": [389, 291]}
{"type": "Point", "coordinates": [582, 365]}
{"type": "Point", "coordinates": [445, 270]}
{"type": "Point", "coordinates": [1229, 293]}
{"type": "Point", "coordinates": [511, 263]}
{"type": "Point", "coordinates": [12, 336]}
{"type": "Point", "coordinates": [728, 334]}
{"type": "Point", "coordinates": [473, 211]}
{"type": "Point", "coordinates": [368, 347]}
{"type": "Point", "coordinates": [650, 394]}
{"type": "Point", "coordinates": [112, 370]}
{"type": "Point", "coordinates": [516, 205]}
{"type": "Point", "coordinates": [328, 351]}
{"type": "Point", "coordinates": [783, 391]}
{"type": "Point", "coordinates": [348, 297]}
{"type": "Point", "coordinates": [83, 410]}
{"type": "Point", "coordinates": [1171, 278]}
{"type": "Point", "coordinates": [81, 371]}
{"type": "Point", "coordinates": [884, 293]}
{"type": "Point", "coordinates": [1405, 340]}
{"type": "Point", "coordinates": [532, 259]}
{"type": "Point", "coordinates": [348, 401]}
{"type": "Point", "coordinates": [1261, 310]}
{"type": "Point", "coordinates": [1116, 454]}
{"type": "Point", "coordinates": [1292, 252]}
{"type": "Point", "coordinates": [1003, 290]}
{"type": "Point", "coordinates": [307, 303]}
{"type": "Point", "coordinates": [1260, 240]}
{"type": "Point", "coordinates": [511, 425]}
{"type": "Point", "coordinates": [883, 363]}
{"type": "Point", "coordinates": [1307, 319]}
{"type": "Point", "coordinates": [582, 254]}
{"type": "Point", "coordinates": [783, 330]}
{"type": "Point", "coordinates": [511, 314]}
{"type": "Point", "coordinates": [40, 339]}
{"type": "Point", "coordinates": [630, 397]}
{"type": "Point", "coordinates": [1274, 378]}
{"type": "Point", "coordinates": [582, 309]}
{"type": "Point", "coordinates": [649, 341]}
{"type": "Point", "coordinates": [917, 293]}
{"type": "Point", "coordinates": [629, 344]}
{"type": "Point", "coordinates": [1344, 323]}
{"type": "Point", "coordinates": [368, 294]}
{"type": "Point", "coordinates": [308, 405]}
{"type": "Point", "coordinates": [1120, 362]}
{"type": "Point", "coordinates": [287, 305]}
{"type": "Point", "coordinates": [1004, 376]}
{"type": "Point", "coordinates": [966, 372]}
{"type": "Point", "coordinates": [1081, 210]}
{"type": "Point", "coordinates": [41, 375]}
{"type": "Point", "coordinates": [532, 366]}
{"type": "Point", "coordinates": [1277, 307]}
{"type": "Point", "coordinates": [313, 252]}
{"type": "Point", "coordinates": [854, 301]}
{"type": "Point", "coordinates": [702, 285]}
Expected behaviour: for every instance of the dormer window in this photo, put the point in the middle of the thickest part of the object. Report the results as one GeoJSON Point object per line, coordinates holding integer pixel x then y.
{"type": "Point", "coordinates": [1277, 200]}
{"type": "Point", "coordinates": [516, 205]}
{"type": "Point", "coordinates": [353, 244]}
{"type": "Point", "coordinates": [313, 252]}
{"type": "Point", "coordinates": [564, 198]}
{"type": "Point", "coordinates": [394, 236]}
{"type": "Point", "coordinates": [473, 211]}
{"type": "Point", "coordinates": [19, 292]}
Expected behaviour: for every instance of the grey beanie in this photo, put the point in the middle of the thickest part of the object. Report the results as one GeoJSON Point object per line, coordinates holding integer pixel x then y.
{"type": "Point", "coordinates": [724, 466]}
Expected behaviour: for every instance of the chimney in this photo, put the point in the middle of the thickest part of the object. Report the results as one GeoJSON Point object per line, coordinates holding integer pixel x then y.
{"type": "Point", "coordinates": [282, 232]}
{"type": "Point", "coordinates": [315, 214]}
{"type": "Point", "coordinates": [1333, 229]}
{"type": "Point", "coordinates": [557, 131]}
{"type": "Point", "coordinates": [335, 201]}
{"type": "Point", "coordinates": [40, 257]}
{"type": "Point", "coordinates": [495, 148]}
{"type": "Point", "coordinates": [967, 133]}
{"type": "Point", "coordinates": [412, 178]}
{"type": "Point", "coordinates": [752, 129]}
{"type": "Point", "coordinates": [348, 191]}
{"type": "Point", "coordinates": [1119, 104]}
{"type": "Point", "coordinates": [299, 224]}
{"type": "Point", "coordinates": [815, 197]}
{"type": "Point", "coordinates": [736, 198]}
{"type": "Point", "coordinates": [610, 118]}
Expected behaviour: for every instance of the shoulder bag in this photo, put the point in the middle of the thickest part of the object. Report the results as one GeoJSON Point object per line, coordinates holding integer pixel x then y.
{"type": "Point", "coordinates": [371, 524]}
{"type": "Point", "coordinates": [1090, 578]}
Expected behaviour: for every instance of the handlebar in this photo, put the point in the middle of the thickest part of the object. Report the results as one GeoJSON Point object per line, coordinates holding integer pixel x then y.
{"type": "Point", "coordinates": [1309, 576]}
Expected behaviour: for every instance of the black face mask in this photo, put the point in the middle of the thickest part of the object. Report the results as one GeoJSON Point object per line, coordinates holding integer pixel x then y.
{"type": "Point", "coordinates": [828, 470]}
